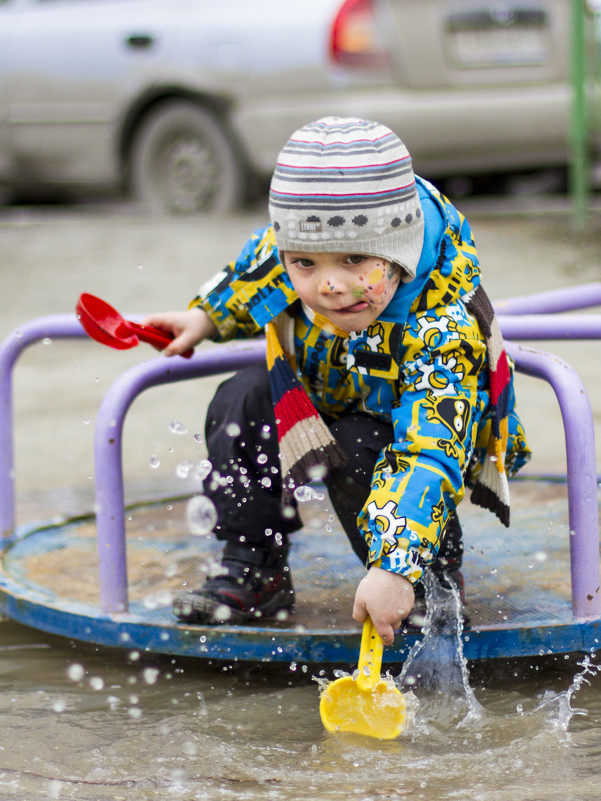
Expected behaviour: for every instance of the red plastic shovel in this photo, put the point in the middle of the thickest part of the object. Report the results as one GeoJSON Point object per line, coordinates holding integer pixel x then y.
{"type": "Point", "coordinates": [104, 324]}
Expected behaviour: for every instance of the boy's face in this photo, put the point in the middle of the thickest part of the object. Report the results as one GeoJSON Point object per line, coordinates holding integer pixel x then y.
{"type": "Point", "coordinates": [349, 289]}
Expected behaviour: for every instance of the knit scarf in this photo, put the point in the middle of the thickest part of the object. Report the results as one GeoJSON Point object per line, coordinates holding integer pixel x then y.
{"type": "Point", "coordinates": [491, 490]}
{"type": "Point", "coordinates": [307, 447]}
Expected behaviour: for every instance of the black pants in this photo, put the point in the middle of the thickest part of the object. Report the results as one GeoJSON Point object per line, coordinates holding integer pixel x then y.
{"type": "Point", "coordinates": [246, 486]}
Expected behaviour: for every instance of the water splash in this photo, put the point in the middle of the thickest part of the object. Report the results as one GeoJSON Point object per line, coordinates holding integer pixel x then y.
{"type": "Point", "coordinates": [560, 705]}
{"type": "Point", "coordinates": [436, 665]}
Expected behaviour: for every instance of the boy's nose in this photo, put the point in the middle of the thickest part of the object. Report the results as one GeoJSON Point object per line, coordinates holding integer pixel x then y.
{"type": "Point", "coordinates": [332, 284]}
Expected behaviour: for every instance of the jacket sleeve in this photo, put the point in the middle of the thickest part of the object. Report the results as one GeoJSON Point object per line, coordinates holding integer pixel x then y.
{"type": "Point", "coordinates": [419, 478]}
{"type": "Point", "coordinates": [249, 291]}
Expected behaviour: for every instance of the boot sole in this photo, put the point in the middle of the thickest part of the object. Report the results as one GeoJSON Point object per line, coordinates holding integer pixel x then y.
{"type": "Point", "coordinates": [195, 608]}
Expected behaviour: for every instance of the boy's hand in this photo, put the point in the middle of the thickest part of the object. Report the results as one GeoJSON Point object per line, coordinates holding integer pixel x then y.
{"type": "Point", "coordinates": [387, 598]}
{"type": "Point", "coordinates": [188, 327]}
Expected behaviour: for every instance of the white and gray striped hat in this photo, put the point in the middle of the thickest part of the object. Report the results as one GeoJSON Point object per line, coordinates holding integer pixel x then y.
{"type": "Point", "coordinates": [347, 185]}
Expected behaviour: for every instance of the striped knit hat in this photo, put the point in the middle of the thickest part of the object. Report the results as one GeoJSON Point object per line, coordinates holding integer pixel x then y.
{"type": "Point", "coordinates": [347, 185]}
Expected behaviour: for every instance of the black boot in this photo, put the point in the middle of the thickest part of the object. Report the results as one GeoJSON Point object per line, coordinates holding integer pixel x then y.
{"type": "Point", "coordinates": [254, 583]}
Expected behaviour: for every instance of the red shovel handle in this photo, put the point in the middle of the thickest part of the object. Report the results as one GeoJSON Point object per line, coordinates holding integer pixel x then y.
{"type": "Point", "coordinates": [154, 336]}
{"type": "Point", "coordinates": [104, 324]}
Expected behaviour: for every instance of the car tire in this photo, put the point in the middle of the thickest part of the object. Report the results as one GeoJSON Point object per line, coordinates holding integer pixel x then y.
{"type": "Point", "coordinates": [183, 162]}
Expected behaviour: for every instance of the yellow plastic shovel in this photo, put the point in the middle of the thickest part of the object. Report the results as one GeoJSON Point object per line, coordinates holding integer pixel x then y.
{"type": "Point", "coordinates": [368, 704]}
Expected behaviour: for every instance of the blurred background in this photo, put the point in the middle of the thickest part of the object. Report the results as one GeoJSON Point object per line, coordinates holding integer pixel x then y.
{"type": "Point", "coordinates": [183, 105]}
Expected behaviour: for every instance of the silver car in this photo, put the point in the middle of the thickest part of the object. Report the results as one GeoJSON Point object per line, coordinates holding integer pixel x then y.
{"type": "Point", "coordinates": [186, 103]}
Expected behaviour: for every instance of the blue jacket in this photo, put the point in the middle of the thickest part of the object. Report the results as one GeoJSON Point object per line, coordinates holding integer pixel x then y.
{"type": "Point", "coordinates": [421, 366]}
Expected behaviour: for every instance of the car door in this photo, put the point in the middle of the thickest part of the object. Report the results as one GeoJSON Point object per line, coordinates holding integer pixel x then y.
{"type": "Point", "coordinates": [8, 10]}
{"type": "Point", "coordinates": [73, 68]}
{"type": "Point", "coordinates": [480, 84]}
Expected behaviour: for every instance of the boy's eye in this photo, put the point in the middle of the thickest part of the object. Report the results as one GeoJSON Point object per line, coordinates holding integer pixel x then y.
{"type": "Point", "coordinates": [355, 258]}
{"type": "Point", "coordinates": [299, 262]}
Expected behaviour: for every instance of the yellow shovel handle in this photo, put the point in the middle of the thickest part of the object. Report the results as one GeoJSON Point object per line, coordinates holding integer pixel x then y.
{"type": "Point", "coordinates": [370, 657]}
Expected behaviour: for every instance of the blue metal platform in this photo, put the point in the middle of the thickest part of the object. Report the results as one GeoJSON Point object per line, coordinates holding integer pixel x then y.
{"type": "Point", "coordinates": [517, 586]}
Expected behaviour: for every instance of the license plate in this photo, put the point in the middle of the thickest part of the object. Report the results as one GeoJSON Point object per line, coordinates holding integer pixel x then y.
{"type": "Point", "coordinates": [495, 47]}
{"type": "Point", "coordinates": [497, 37]}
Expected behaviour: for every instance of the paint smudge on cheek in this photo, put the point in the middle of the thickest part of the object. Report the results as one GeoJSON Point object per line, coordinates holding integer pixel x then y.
{"type": "Point", "coordinates": [358, 292]}
{"type": "Point", "coordinates": [376, 275]}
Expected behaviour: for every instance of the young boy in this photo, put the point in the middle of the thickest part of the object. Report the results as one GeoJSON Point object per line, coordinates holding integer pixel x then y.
{"type": "Point", "coordinates": [385, 376]}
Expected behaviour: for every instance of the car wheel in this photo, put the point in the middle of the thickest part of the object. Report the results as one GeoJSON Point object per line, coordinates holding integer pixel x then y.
{"type": "Point", "coordinates": [183, 162]}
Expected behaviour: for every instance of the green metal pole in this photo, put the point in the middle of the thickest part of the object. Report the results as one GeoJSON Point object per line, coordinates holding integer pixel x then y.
{"type": "Point", "coordinates": [579, 166]}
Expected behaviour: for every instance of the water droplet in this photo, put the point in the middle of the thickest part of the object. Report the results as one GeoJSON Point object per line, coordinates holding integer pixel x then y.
{"type": "Point", "coordinates": [96, 683]}
{"type": "Point", "coordinates": [201, 515]}
{"type": "Point", "coordinates": [262, 458]}
{"type": "Point", "coordinates": [266, 481]}
{"type": "Point", "coordinates": [223, 613]}
{"type": "Point", "coordinates": [150, 675]}
{"type": "Point", "coordinates": [154, 461]}
{"type": "Point", "coordinates": [198, 438]}
{"type": "Point", "coordinates": [183, 469]}
{"type": "Point", "coordinates": [47, 341]}
{"type": "Point", "coordinates": [303, 494]}
{"type": "Point", "coordinates": [76, 672]}
{"type": "Point", "coordinates": [317, 472]}
{"type": "Point", "coordinates": [203, 468]}
{"type": "Point", "coordinates": [59, 705]}
{"type": "Point", "coordinates": [233, 430]}
{"type": "Point", "coordinates": [177, 428]}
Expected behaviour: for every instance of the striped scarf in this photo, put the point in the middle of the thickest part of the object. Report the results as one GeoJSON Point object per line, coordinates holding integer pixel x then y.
{"type": "Point", "coordinates": [307, 447]}
{"type": "Point", "coordinates": [491, 490]}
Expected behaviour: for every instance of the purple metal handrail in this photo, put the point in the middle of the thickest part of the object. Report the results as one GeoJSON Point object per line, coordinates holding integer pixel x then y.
{"type": "Point", "coordinates": [581, 474]}
{"type": "Point", "coordinates": [55, 326]}
{"type": "Point", "coordinates": [110, 502]}
{"type": "Point", "coordinates": [573, 401]}
{"type": "Point", "coordinates": [580, 446]}
{"type": "Point", "coordinates": [553, 300]}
